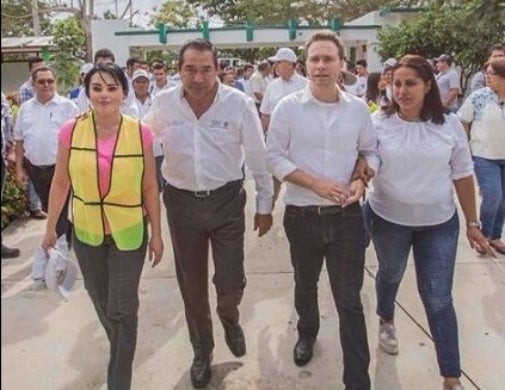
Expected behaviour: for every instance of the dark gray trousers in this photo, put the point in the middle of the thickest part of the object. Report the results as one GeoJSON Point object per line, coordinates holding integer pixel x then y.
{"type": "Point", "coordinates": [195, 222]}
{"type": "Point", "coordinates": [111, 278]}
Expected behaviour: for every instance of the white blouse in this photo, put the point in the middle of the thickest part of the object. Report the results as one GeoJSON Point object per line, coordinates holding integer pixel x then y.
{"type": "Point", "coordinates": [419, 161]}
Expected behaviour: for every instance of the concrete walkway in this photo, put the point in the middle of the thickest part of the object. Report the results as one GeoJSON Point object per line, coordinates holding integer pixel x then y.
{"type": "Point", "coordinates": [50, 344]}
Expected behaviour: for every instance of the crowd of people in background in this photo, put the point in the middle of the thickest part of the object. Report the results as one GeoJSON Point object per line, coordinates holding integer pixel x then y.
{"type": "Point", "coordinates": [278, 117]}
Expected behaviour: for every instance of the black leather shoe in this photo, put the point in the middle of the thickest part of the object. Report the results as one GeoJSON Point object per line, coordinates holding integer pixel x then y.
{"type": "Point", "coordinates": [200, 371]}
{"type": "Point", "coordinates": [9, 253]}
{"type": "Point", "coordinates": [234, 337]}
{"type": "Point", "coordinates": [304, 348]}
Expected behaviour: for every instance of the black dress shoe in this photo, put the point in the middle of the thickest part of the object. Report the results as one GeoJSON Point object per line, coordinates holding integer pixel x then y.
{"type": "Point", "coordinates": [234, 337]}
{"type": "Point", "coordinates": [9, 253]}
{"type": "Point", "coordinates": [302, 354]}
{"type": "Point", "coordinates": [200, 371]}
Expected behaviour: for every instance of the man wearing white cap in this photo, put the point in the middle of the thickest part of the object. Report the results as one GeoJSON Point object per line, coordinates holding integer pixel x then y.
{"type": "Point", "coordinates": [144, 99]}
{"type": "Point", "coordinates": [288, 82]}
{"type": "Point", "coordinates": [77, 95]}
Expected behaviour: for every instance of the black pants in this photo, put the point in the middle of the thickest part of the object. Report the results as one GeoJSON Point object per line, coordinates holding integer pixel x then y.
{"type": "Point", "coordinates": [111, 278]}
{"type": "Point", "coordinates": [195, 222]}
{"type": "Point", "coordinates": [339, 237]}
{"type": "Point", "coordinates": [41, 178]}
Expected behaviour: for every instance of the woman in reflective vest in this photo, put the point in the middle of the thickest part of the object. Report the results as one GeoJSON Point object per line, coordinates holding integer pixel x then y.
{"type": "Point", "coordinates": [106, 158]}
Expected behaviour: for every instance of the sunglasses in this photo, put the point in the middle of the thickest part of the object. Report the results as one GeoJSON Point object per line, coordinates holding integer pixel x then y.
{"type": "Point", "coordinates": [45, 82]}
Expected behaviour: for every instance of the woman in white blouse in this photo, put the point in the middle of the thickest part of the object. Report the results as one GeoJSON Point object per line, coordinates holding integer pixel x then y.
{"type": "Point", "coordinates": [483, 115]}
{"type": "Point", "coordinates": [424, 153]}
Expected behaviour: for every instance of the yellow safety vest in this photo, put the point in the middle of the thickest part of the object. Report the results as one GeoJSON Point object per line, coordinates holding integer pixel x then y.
{"type": "Point", "coordinates": [122, 203]}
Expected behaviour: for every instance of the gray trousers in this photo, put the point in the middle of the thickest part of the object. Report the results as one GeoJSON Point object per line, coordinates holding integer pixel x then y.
{"type": "Point", "coordinates": [111, 278]}
{"type": "Point", "coordinates": [194, 222]}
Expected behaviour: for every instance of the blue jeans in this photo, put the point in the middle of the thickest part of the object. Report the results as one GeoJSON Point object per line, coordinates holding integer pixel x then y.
{"type": "Point", "coordinates": [111, 278]}
{"type": "Point", "coordinates": [339, 238]}
{"type": "Point", "coordinates": [33, 198]}
{"type": "Point", "coordinates": [491, 178]}
{"type": "Point", "coordinates": [434, 250]}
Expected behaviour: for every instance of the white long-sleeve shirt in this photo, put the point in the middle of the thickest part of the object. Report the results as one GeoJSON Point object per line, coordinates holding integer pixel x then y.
{"type": "Point", "coordinates": [280, 88]}
{"type": "Point", "coordinates": [322, 139]}
{"type": "Point", "coordinates": [207, 152]}
{"type": "Point", "coordinates": [419, 161]}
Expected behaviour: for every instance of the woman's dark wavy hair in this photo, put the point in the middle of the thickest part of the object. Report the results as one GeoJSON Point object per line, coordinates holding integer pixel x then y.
{"type": "Point", "coordinates": [112, 70]}
{"type": "Point", "coordinates": [433, 109]}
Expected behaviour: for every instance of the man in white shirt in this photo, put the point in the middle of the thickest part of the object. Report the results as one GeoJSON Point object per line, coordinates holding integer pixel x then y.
{"type": "Point", "coordinates": [144, 100]}
{"type": "Point", "coordinates": [361, 77]}
{"type": "Point", "coordinates": [288, 82]}
{"type": "Point", "coordinates": [160, 79]}
{"type": "Point", "coordinates": [142, 97]}
{"type": "Point", "coordinates": [208, 131]}
{"type": "Point", "coordinates": [36, 135]}
{"type": "Point", "coordinates": [26, 92]}
{"type": "Point", "coordinates": [313, 142]}
{"type": "Point", "coordinates": [448, 83]}
{"type": "Point", "coordinates": [259, 82]}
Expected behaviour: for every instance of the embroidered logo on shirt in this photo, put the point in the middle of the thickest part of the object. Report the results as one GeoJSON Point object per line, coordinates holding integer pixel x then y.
{"type": "Point", "coordinates": [219, 124]}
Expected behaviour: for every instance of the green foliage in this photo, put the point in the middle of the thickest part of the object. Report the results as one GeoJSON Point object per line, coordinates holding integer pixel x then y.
{"type": "Point", "coordinates": [17, 18]}
{"type": "Point", "coordinates": [178, 14]}
{"type": "Point", "coordinates": [14, 201]}
{"type": "Point", "coordinates": [278, 12]}
{"type": "Point", "coordinates": [69, 40]}
{"type": "Point", "coordinates": [444, 29]}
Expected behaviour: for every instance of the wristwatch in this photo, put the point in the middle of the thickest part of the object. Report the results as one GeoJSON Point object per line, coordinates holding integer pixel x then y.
{"type": "Point", "coordinates": [474, 224]}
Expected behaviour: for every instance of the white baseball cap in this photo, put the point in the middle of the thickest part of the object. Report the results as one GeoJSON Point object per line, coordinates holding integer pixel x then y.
{"type": "Point", "coordinates": [85, 68]}
{"type": "Point", "coordinates": [390, 63]}
{"type": "Point", "coordinates": [140, 73]}
{"type": "Point", "coordinates": [284, 54]}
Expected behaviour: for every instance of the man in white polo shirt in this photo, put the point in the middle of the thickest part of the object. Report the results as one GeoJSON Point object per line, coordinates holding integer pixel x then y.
{"type": "Point", "coordinates": [313, 142]}
{"type": "Point", "coordinates": [36, 135]}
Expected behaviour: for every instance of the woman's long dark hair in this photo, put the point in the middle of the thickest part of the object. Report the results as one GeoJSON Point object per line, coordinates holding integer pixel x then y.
{"type": "Point", "coordinates": [372, 90]}
{"type": "Point", "coordinates": [433, 109]}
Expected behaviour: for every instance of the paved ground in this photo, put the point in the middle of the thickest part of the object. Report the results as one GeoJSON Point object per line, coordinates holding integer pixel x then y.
{"type": "Point", "coordinates": [50, 344]}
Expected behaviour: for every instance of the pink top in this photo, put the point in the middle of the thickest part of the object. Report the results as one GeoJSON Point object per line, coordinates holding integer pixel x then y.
{"type": "Point", "coordinates": [105, 150]}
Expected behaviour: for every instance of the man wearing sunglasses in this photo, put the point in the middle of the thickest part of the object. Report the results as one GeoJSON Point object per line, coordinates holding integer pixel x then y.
{"type": "Point", "coordinates": [36, 135]}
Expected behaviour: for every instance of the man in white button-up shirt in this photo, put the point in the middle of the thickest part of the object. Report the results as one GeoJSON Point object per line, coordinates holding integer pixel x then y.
{"type": "Point", "coordinates": [208, 131]}
{"type": "Point", "coordinates": [36, 135]}
{"type": "Point", "coordinates": [313, 142]}
{"type": "Point", "coordinates": [288, 82]}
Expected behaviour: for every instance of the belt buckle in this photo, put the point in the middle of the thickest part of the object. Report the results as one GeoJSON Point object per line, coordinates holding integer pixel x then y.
{"type": "Point", "coordinates": [202, 194]}
{"type": "Point", "coordinates": [319, 208]}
